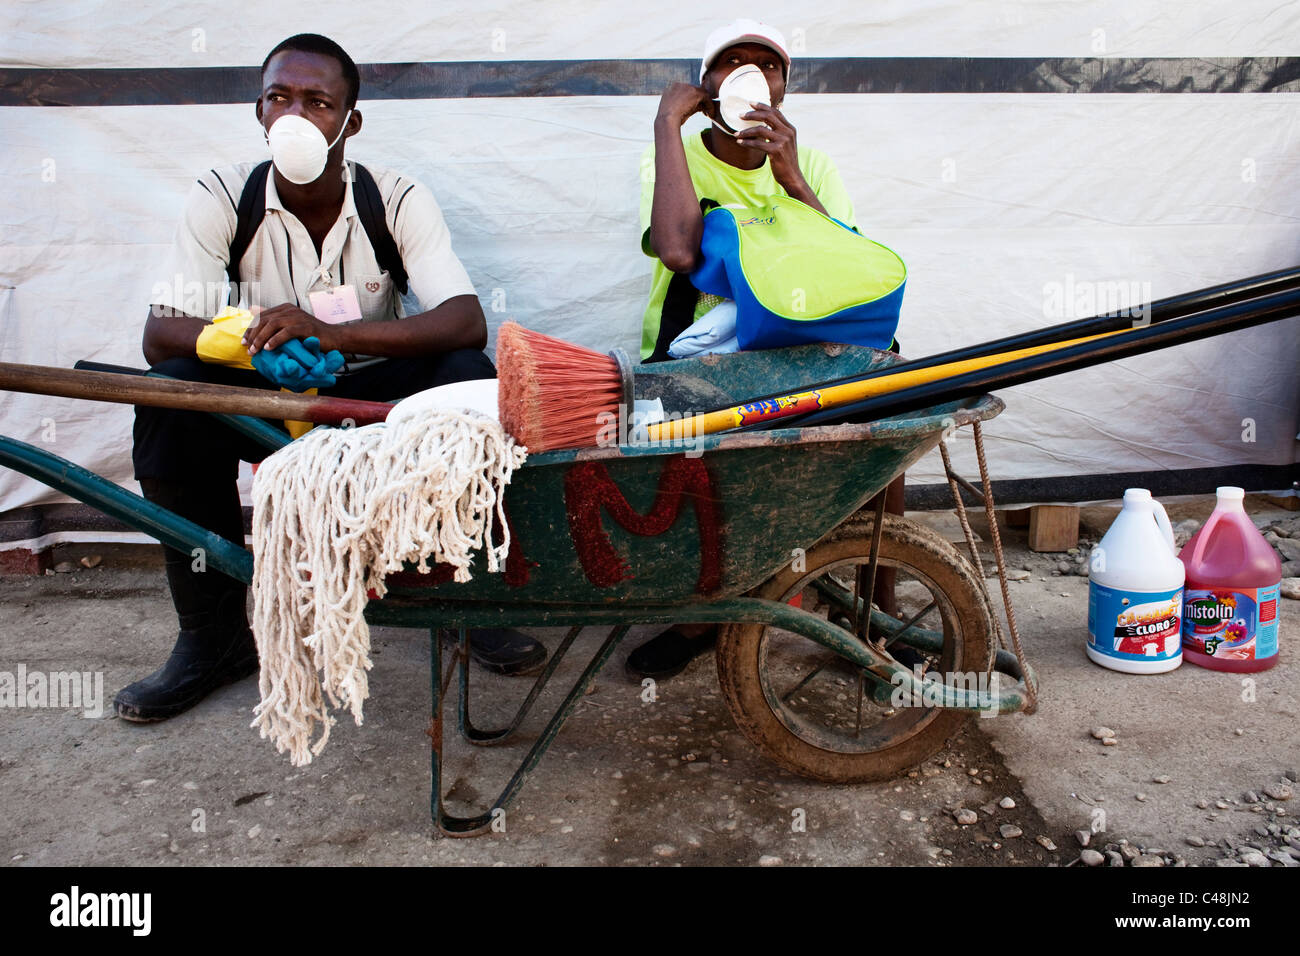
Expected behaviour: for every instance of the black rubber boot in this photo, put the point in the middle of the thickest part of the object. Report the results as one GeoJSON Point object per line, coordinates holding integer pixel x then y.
{"type": "Point", "coordinates": [505, 651]}
{"type": "Point", "coordinates": [215, 645]}
{"type": "Point", "coordinates": [667, 654]}
{"type": "Point", "coordinates": [502, 650]}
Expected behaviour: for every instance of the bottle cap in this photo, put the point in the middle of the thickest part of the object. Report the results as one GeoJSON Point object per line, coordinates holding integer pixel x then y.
{"type": "Point", "coordinates": [1229, 493]}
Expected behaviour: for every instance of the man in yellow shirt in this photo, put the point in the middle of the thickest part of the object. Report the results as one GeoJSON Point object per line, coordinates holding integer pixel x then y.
{"type": "Point", "coordinates": [728, 168]}
{"type": "Point", "coordinates": [725, 166]}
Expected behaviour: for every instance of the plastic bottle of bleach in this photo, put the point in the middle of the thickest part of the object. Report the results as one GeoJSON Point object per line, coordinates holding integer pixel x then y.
{"type": "Point", "coordinates": [1230, 604]}
{"type": "Point", "coordinates": [1135, 591]}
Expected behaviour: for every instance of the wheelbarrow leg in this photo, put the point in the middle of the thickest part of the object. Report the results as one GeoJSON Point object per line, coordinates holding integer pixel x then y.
{"type": "Point", "coordinates": [438, 690]}
{"type": "Point", "coordinates": [866, 579]}
{"type": "Point", "coordinates": [486, 738]}
{"type": "Point", "coordinates": [495, 818]}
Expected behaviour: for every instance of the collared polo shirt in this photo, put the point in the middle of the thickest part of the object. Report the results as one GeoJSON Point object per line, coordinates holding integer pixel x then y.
{"type": "Point", "coordinates": [281, 264]}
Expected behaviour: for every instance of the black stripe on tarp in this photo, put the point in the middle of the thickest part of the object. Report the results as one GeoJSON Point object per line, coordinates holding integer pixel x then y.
{"type": "Point", "coordinates": [172, 86]}
{"type": "Point", "coordinates": [1104, 487]}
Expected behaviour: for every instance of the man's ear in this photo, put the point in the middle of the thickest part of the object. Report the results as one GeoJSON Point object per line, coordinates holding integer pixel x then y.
{"type": "Point", "coordinates": [353, 125]}
{"type": "Point", "coordinates": [711, 92]}
{"type": "Point", "coordinates": [257, 108]}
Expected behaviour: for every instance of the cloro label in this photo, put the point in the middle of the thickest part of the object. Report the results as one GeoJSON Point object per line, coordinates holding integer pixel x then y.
{"type": "Point", "coordinates": [1135, 625]}
{"type": "Point", "coordinates": [1231, 624]}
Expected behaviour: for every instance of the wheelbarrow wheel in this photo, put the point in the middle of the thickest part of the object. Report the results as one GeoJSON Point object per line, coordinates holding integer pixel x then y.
{"type": "Point", "coordinates": [809, 710]}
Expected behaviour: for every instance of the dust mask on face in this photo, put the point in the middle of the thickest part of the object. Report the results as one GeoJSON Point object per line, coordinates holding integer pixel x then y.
{"type": "Point", "coordinates": [298, 148]}
{"type": "Point", "coordinates": [742, 87]}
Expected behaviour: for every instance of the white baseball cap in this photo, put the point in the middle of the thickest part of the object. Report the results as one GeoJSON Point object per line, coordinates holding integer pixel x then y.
{"type": "Point", "coordinates": [743, 31]}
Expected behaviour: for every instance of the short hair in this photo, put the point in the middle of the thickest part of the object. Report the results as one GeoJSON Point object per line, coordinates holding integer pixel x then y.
{"type": "Point", "coordinates": [315, 43]}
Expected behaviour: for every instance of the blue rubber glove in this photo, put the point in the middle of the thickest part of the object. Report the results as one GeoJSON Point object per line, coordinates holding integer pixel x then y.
{"type": "Point", "coordinates": [282, 368]}
{"type": "Point", "coordinates": [299, 365]}
{"type": "Point", "coordinates": [324, 366]}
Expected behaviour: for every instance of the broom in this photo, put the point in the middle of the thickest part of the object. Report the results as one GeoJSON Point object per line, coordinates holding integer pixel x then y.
{"type": "Point", "coordinates": [804, 401]}
{"type": "Point", "coordinates": [562, 407]}
{"type": "Point", "coordinates": [553, 394]}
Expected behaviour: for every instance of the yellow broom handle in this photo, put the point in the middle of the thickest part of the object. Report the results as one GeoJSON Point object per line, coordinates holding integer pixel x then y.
{"type": "Point", "coordinates": [833, 395]}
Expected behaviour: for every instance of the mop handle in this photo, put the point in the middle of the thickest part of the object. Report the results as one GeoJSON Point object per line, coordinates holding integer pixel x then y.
{"type": "Point", "coordinates": [192, 396]}
{"type": "Point", "coordinates": [831, 396]}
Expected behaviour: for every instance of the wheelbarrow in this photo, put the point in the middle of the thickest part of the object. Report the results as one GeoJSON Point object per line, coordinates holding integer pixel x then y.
{"type": "Point", "coordinates": [764, 533]}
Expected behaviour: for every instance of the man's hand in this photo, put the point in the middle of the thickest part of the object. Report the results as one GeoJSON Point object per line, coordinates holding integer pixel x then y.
{"type": "Point", "coordinates": [778, 140]}
{"type": "Point", "coordinates": [279, 324]}
{"type": "Point", "coordinates": [681, 101]}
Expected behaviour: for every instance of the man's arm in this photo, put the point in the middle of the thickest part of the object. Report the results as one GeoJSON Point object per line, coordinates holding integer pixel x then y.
{"type": "Point", "coordinates": [457, 323]}
{"type": "Point", "coordinates": [170, 333]}
{"type": "Point", "coordinates": [191, 279]}
{"type": "Point", "coordinates": [779, 141]}
{"type": "Point", "coordinates": [676, 223]}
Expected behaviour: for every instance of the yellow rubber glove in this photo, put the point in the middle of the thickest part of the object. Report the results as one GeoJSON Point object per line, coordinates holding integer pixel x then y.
{"type": "Point", "coordinates": [298, 429]}
{"type": "Point", "coordinates": [221, 343]}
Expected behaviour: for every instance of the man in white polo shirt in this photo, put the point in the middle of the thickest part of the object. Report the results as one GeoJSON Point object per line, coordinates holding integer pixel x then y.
{"type": "Point", "coordinates": [319, 249]}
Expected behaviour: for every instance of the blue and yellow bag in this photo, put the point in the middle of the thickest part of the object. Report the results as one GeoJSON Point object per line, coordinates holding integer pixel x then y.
{"type": "Point", "coordinates": [798, 276]}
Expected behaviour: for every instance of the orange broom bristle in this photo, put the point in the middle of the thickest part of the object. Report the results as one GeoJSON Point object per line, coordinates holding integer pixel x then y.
{"type": "Point", "coordinates": [554, 394]}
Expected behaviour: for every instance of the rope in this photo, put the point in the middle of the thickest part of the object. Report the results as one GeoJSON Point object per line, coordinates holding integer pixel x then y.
{"type": "Point", "coordinates": [333, 513]}
{"type": "Point", "coordinates": [974, 552]}
{"type": "Point", "coordinates": [1031, 691]}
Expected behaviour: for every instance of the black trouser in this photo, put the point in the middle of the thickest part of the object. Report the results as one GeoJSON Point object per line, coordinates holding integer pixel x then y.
{"type": "Point", "coordinates": [195, 448]}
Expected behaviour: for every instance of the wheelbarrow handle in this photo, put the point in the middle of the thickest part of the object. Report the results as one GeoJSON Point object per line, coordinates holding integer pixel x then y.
{"type": "Point", "coordinates": [137, 389]}
{"type": "Point", "coordinates": [84, 365]}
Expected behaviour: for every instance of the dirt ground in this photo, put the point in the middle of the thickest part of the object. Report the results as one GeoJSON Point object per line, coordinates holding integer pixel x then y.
{"type": "Point", "coordinates": [1201, 757]}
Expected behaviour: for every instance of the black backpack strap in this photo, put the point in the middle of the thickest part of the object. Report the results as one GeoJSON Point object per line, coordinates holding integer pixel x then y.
{"type": "Point", "coordinates": [678, 311]}
{"type": "Point", "coordinates": [248, 217]}
{"type": "Point", "coordinates": [370, 207]}
{"type": "Point", "coordinates": [677, 315]}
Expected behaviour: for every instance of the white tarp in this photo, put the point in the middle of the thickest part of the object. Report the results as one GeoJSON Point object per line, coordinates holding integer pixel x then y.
{"type": "Point", "coordinates": [1013, 211]}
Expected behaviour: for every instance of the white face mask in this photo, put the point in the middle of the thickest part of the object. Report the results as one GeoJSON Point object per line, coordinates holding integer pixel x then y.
{"type": "Point", "coordinates": [743, 86]}
{"type": "Point", "coordinates": [298, 148]}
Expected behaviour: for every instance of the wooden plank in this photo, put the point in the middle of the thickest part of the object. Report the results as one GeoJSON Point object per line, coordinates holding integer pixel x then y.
{"type": "Point", "coordinates": [1053, 527]}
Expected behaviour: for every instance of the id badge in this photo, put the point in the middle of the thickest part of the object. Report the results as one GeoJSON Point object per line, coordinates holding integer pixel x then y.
{"type": "Point", "coordinates": [336, 305]}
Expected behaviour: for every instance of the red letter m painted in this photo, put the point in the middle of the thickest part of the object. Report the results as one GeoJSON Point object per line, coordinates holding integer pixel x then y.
{"type": "Point", "coordinates": [588, 488]}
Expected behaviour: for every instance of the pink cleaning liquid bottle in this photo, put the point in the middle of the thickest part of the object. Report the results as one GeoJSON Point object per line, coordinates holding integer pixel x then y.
{"type": "Point", "coordinates": [1230, 600]}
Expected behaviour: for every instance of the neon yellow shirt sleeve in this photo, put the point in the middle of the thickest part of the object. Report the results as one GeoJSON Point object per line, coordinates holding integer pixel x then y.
{"type": "Point", "coordinates": [828, 186]}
